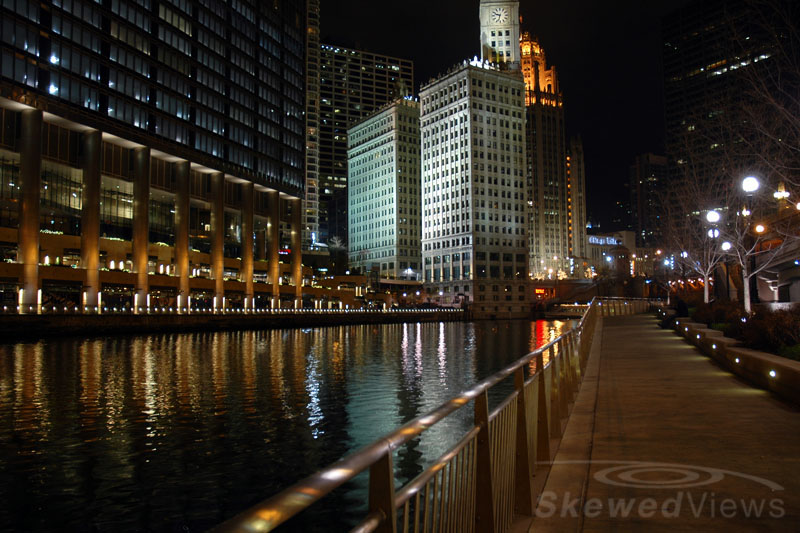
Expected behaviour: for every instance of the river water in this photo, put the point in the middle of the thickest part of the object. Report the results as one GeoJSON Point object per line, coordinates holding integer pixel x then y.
{"type": "Point", "coordinates": [178, 432]}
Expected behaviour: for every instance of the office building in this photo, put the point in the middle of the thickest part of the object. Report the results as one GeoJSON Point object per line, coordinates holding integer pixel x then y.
{"type": "Point", "coordinates": [474, 242]}
{"type": "Point", "coordinates": [648, 177]}
{"type": "Point", "coordinates": [383, 188]}
{"type": "Point", "coordinates": [352, 85]}
{"type": "Point", "coordinates": [576, 208]}
{"type": "Point", "coordinates": [548, 217]}
{"type": "Point", "coordinates": [311, 199]}
{"type": "Point", "coordinates": [152, 153]}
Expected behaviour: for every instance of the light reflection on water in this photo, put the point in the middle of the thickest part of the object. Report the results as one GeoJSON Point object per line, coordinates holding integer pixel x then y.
{"type": "Point", "coordinates": [183, 431]}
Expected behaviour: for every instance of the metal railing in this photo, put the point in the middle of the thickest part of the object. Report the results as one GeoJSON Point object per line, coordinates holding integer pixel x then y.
{"type": "Point", "coordinates": [483, 481]}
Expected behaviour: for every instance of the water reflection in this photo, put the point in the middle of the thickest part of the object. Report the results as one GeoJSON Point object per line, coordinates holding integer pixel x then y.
{"type": "Point", "coordinates": [182, 431]}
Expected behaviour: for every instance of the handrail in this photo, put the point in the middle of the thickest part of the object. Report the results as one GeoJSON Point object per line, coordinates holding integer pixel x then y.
{"type": "Point", "coordinates": [564, 372]}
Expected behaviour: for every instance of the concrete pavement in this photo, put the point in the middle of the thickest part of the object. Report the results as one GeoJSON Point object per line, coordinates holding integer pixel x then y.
{"type": "Point", "coordinates": [662, 439]}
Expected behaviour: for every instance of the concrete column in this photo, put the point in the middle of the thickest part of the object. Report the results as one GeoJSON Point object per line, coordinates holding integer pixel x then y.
{"type": "Point", "coordinates": [182, 233]}
{"type": "Point", "coordinates": [247, 243]}
{"type": "Point", "coordinates": [261, 245]}
{"type": "Point", "coordinates": [90, 219]}
{"type": "Point", "coordinates": [274, 243]}
{"type": "Point", "coordinates": [297, 253]}
{"type": "Point", "coordinates": [141, 225]}
{"type": "Point", "coordinates": [30, 167]}
{"type": "Point", "coordinates": [218, 238]}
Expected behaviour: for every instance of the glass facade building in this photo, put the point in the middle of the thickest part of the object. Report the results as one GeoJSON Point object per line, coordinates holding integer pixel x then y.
{"type": "Point", "coordinates": [163, 137]}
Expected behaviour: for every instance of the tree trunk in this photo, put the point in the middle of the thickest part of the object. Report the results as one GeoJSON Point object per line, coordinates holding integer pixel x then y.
{"type": "Point", "coordinates": [706, 296]}
{"type": "Point", "coordinates": [746, 291]}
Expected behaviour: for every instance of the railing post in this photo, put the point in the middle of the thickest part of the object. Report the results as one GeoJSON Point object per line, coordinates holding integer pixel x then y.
{"type": "Point", "coordinates": [542, 416]}
{"type": "Point", "coordinates": [524, 475]}
{"type": "Point", "coordinates": [484, 489]}
{"type": "Point", "coordinates": [555, 401]}
{"type": "Point", "coordinates": [381, 492]}
{"type": "Point", "coordinates": [564, 385]}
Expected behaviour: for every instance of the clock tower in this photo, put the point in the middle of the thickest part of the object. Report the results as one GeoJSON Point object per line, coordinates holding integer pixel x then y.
{"type": "Point", "coordinates": [500, 32]}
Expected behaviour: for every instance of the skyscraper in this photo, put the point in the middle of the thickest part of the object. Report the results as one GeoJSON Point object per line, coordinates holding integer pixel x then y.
{"type": "Point", "coordinates": [383, 188]}
{"type": "Point", "coordinates": [648, 176]}
{"type": "Point", "coordinates": [145, 143]}
{"type": "Point", "coordinates": [548, 218]}
{"type": "Point", "coordinates": [352, 85]}
{"type": "Point", "coordinates": [311, 200]}
{"type": "Point", "coordinates": [576, 206]}
{"type": "Point", "coordinates": [474, 243]}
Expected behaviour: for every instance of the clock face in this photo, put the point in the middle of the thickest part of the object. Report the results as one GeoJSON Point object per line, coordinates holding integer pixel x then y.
{"type": "Point", "coordinates": [499, 15]}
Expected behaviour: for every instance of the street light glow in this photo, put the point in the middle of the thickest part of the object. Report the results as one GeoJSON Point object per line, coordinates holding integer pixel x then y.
{"type": "Point", "coordinates": [760, 228]}
{"type": "Point", "coordinates": [726, 246]}
{"type": "Point", "coordinates": [750, 184]}
{"type": "Point", "coordinates": [713, 233]}
{"type": "Point", "coordinates": [712, 216]}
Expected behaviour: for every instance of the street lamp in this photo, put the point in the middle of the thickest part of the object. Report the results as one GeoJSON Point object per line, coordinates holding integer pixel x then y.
{"type": "Point", "coordinates": [726, 246]}
{"type": "Point", "coordinates": [750, 184]}
{"type": "Point", "coordinates": [712, 216]}
{"type": "Point", "coordinates": [760, 228]}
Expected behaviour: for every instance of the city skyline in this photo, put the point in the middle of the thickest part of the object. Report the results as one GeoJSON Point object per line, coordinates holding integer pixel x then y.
{"type": "Point", "coordinates": [615, 103]}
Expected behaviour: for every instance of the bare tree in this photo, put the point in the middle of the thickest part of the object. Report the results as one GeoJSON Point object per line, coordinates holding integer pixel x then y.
{"type": "Point", "coordinates": [768, 54]}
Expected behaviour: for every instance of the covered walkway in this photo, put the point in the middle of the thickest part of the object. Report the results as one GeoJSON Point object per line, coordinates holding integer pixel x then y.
{"type": "Point", "coordinates": [662, 439]}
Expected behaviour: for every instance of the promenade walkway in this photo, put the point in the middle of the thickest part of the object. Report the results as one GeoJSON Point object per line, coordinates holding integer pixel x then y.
{"type": "Point", "coordinates": [662, 439]}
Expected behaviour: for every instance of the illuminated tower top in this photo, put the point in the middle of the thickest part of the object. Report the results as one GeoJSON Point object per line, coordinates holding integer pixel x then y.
{"type": "Point", "coordinates": [541, 83]}
{"type": "Point", "coordinates": [500, 32]}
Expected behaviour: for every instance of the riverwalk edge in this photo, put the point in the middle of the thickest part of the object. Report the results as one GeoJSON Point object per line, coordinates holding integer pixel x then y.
{"type": "Point", "coordinates": [14, 327]}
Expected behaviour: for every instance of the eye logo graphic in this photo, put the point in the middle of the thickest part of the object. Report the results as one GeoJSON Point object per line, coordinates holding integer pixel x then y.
{"type": "Point", "coordinates": [652, 475]}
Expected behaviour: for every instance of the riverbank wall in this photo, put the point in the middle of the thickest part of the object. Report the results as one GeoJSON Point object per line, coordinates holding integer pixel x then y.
{"type": "Point", "coordinates": [14, 327]}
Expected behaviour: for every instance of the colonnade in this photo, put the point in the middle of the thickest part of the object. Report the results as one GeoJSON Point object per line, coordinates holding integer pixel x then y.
{"type": "Point", "coordinates": [267, 246]}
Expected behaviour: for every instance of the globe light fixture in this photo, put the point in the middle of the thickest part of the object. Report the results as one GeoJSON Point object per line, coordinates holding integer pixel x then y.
{"type": "Point", "coordinates": [750, 184]}
{"type": "Point", "coordinates": [760, 228]}
{"type": "Point", "coordinates": [713, 233]}
{"type": "Point", "coordinates": [726, 246]}
{"type": "Point", "coordinates": [713, 217]}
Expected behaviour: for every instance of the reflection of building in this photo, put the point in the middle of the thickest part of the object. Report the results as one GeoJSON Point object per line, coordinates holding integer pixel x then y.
{"type": "Point", "coordinates": [546, 150]}
{"type": "Point", "coordinates": [647, 175]}
{"type": "Point", "coordinates": [474, 246]}
{"type": "Point", "coordinates": [384, 191]}
{"type": "Point", "coordinates": [148, 154]}
{"type": "Point", "coordinates": [352, 84]}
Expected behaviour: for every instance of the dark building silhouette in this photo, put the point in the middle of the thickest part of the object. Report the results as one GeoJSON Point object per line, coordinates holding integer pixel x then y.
{"type": "Point", "coordinates": [145, 143]}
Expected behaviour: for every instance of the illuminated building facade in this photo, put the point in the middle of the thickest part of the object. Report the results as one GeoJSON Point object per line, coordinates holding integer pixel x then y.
{"type": "Point", "coordinates": [500, 33]}
{"type": "Point", "coordinates": [352, 85]}
{"type": "Point", "coordinates": [311, 199]}
{"type": "Point", "coordinates": [474, 242]}
{"type": "Point", "coordinates": [576, 208]}
{"type": "Point", "coordinates": [547, 187]}
{"type": "Point", "coordinates": [156, 148]}
{"type": "Point", "coordinates": [648, 175]}
{"type": "Point", "coordinates": [383, 188]}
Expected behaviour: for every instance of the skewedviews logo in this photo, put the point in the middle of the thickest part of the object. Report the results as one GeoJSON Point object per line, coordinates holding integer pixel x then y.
{"type": "Point", "coordinates": [674, 482]}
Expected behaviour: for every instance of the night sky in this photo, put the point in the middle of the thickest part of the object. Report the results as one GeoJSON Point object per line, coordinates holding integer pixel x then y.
{"type": "Point", "coordinates": [607, 55]}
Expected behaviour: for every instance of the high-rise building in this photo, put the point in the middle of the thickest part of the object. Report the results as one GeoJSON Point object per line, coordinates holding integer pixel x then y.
{"type": "Point", "coordinates": [383, 189]}
{"type": "Point", "coordinates": [352, 85]}
{"type": "Point", "coordinates": [145, 144]}
{"type": "Point", "coordinates": [474, 242]}
{"type": "Point", "coordinates": [576, 207]}
{"type": "Point", "coordinates": [547, 188]}
{"type": "Point", "coordinates": [311, 199]}
{"type": "Point", "coordinates": [500, 32]}
{"type": "Point", "coordinates": [648, 175]}
{"type": "Point", "coordinates": [709, 47]}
